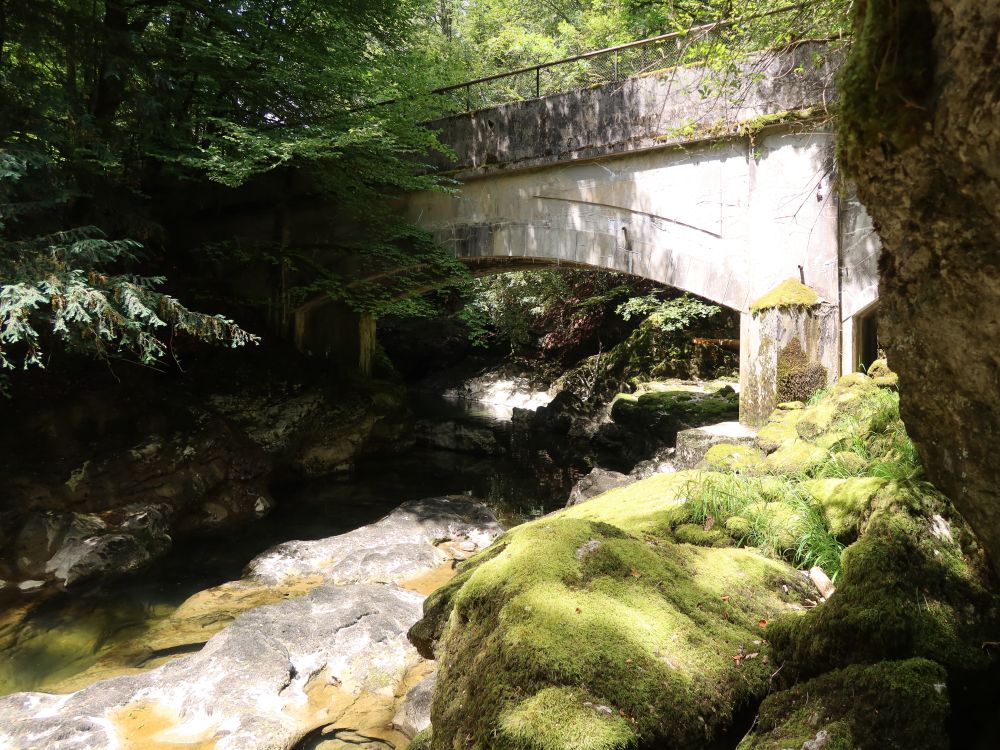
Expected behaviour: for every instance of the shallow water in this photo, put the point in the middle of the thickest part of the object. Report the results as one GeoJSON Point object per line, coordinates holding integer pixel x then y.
{"type": "Point", "coordinates": [70, 632]}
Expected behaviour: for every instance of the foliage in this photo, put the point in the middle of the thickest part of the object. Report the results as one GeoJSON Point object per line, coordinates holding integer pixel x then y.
{"type": "Point", "coordinates": [484, 37]}
{"type": "Point", "coordinates": [541, 313]}
{"type": "Point", "coordinates": [668, 315]}
{"type": "Point", "coordinates": [60, 282]}
{"type": "Point", "coordinates": [125, 107]}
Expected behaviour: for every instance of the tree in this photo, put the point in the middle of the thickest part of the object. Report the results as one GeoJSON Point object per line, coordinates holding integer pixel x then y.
{"type": "Point", "coordinates": [108, 101]}
{"type": "Point", "coordinates": [919, 133]}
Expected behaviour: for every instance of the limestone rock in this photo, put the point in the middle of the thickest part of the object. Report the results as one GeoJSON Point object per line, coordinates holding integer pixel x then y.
{"type": "Point", "coordinates": [597, 482]}
{"type": "Point", "coordinates": [415, 714]}
{"type": "Point", "coordinates": [397, 546]}
{"type": "Point", "coordinates": [248, 688]}
{"type": "Point", "coordinates": [311, 644]}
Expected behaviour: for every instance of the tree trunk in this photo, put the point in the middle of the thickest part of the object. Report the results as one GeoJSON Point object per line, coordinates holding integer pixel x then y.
{"type": "Point", "coordinates": [920, 133]}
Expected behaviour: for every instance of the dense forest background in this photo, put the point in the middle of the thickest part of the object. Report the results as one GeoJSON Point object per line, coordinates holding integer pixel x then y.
{"type": "Point", "coordinates": [126, 122]}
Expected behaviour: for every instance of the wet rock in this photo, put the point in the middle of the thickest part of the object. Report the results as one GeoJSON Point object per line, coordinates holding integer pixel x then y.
{"type": "Point", "coordinates": [398, 546]}
{"type": "Point", "coordinates": [693, 444]}
{"type": "Point", "coordinates": [38, 540]}
{"type": "Point", "coordinates": [317, 431]}
{"type": "Point", "coordinates": [415, 714]}
{"type": "Point", "coordinates": [597, 482]}
{"type": "Point", "coordinates": [463, 436]}
{"type": "Point", "coordinates": [662, 462]}
{"type": "Point", "coordinates": [94, 548]}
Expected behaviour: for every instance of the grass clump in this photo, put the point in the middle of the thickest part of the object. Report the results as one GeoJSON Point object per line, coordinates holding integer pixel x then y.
{"type": "Point", "coordinates": [898, 705]}
{"type": "Point", "coordinates": [772, 514]}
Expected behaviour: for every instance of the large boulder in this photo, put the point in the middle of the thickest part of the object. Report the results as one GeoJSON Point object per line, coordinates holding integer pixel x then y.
{"type": "Point", "coordinates": [579, 628]}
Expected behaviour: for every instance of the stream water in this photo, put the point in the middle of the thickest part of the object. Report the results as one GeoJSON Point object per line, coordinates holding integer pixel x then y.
{"type": "Point", "coordinates": [69, 632]}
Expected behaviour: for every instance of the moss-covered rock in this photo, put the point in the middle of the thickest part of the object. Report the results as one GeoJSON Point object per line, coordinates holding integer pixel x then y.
{"type": "Point", "coordinates": [797, 457]}
{"type": "Point", "coordinates": [592, 633]}
{"type": "Point", "coordinates": [742, 459]}
{"type": "Point", "coordinates": [692, 533]}
{"type": "Point", "coordinates": [845, 502]}
{"type": "Point", "coordinates": [906, 590]}
{"type": "Point", "coordinates": [892, 704]}
{"type": "Point", "coordinates": [780, 429]}
{"type": "Point", "coordinates": [421, 740]}
{"type": "Point", "coordinates": [664, 412]}
{"type": "Point", "coordinates": [881, 375]}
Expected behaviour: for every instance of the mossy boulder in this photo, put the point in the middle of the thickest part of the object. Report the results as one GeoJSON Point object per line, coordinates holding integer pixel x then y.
{"type": "Point", "coordinates": [881, 375]}
{"type": "Point", "coordinates": [906, 589]}
{"type": "Point", "coordinates": [781, 428]}
{"type": "Point", "coordinates": [844, 502]}
{"type": "Point", "coordinates": [797, 457]}
{"type": "Point", "coordinates": [663, 413]}
{"type": "Point", "coordinates": [692, 533]}
{"type": "Point", "coordinates": [743, 459]}
{"type": "Point", "coordinates": [576, 632]}
{"type": "Point", "coordinates": [892, 704]}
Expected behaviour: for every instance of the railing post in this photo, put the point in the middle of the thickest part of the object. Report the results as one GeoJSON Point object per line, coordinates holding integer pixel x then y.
{"type": "Point", "coordinates": [616, 67]}
{"type": "Point", "coordinates": [468, 97]}
{"type": "Point", "coordinates": [538, 83]}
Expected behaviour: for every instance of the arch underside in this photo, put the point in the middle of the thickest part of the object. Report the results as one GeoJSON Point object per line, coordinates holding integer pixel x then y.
{"type": "Point", "coordinates": [480, 266]}
{"type": "Point", "coordinates": [495, 248]}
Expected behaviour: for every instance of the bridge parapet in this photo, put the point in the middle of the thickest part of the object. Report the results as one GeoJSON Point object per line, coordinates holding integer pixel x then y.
{"type": "Point", "coordinates": [671, 107]}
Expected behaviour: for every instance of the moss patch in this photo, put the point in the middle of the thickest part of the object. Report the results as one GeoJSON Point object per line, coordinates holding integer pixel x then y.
{"type": "Point", "coordinates": [578, 617]}
{"type": "Point", "coordinates": [742, 459]}
{"type": "Point", "coordinates": [886, 81]}
{"type": "Point", "coordinates": [845, 502]}
{"type": "Point", "coordinates": [902, 592]}
{"type": "Point", "coordinates": [797, 377]}
{"type": "Point", "coordinates": [900, 704]}
{"type": "Point", "coordinates": [789, 293]}
{"type": "Point", "coordinates": [798, 457]}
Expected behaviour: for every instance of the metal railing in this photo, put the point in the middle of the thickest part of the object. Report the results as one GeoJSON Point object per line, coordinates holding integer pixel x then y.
{"type": "Point", "coordinates": [624, 61]}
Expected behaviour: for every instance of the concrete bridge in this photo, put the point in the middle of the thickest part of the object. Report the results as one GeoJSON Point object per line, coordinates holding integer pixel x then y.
{"type": "Point", "coordinates": [721, 196]}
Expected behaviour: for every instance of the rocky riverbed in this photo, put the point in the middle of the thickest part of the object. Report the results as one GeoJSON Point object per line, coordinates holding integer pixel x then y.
{"type": "Point", "coordinates": [310, 643]}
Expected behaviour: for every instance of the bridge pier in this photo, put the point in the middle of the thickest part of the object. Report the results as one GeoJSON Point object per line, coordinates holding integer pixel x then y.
{"type": "Point", "coordinates": [789, 349]}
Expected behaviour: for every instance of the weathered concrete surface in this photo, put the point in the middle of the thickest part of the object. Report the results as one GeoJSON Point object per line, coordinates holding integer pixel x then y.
{"type": "Point", "coordinates": [769, 336]}
{"type": "Point", "coordinates": [639, 113]}
{"type": "Point", "coordinates": [725, 220]}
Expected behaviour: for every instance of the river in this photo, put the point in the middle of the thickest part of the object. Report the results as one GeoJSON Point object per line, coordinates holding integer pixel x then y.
{"type": "Point", "coordinates": [70, 631]}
